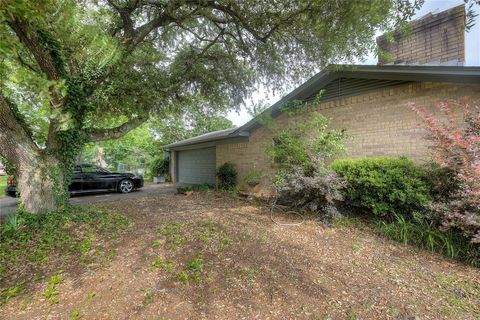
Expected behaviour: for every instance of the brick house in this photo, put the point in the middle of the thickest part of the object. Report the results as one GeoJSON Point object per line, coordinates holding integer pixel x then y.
{"type": "Point", "coordinates": [371, 102]}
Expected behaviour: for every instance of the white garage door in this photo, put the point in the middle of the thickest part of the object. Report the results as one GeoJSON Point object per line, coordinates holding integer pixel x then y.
{"type": "Point", "coordinates": [196, 166]}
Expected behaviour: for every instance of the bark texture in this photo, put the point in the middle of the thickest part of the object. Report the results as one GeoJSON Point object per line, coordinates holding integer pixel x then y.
{"type": "Point", "coordinates": [32, 166]}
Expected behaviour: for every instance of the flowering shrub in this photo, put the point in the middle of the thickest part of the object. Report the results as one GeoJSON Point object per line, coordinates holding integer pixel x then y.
{"type": "Point", "coordinates": [456, 146]}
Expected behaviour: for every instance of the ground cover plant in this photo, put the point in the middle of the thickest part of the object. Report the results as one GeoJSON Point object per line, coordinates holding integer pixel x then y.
{"type": "Point", "coordinates": [32, 246]}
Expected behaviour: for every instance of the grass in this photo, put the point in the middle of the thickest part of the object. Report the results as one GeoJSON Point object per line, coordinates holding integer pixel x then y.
{"type": "Point", "coordinates": [3, 185]}
{"type": "Point", "coordinates": [30, 243]}
{"type": "Point", "coordinates": [422, 233]}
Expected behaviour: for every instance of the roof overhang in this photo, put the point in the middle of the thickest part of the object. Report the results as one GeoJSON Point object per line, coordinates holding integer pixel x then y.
{"type": "Point", "coordinates": [421, 73]}
{"type": "Point", "coordinates": [454, 74]}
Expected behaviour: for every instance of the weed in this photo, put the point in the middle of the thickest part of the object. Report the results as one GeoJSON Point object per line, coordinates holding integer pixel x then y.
{"type": "Point", "coordinates": [8, 293]}
{"type": "Point", "coordinates": [158, 263]}
{"type": "Point", "coordinates": [91, 295]}
{"type": "Point", "coordinates": [51, 292]}
{"type": "Point", "coordinates": [345, 221]}
{"type": "Point", "coordinates": [225, 243]}
{"type": "Point", "coordinates": [148, 297]}
{"type": "Point", "coordinates": [85, 246]}
{"type": "Point", "coordinates": [356, 246]}
{"type": "Point", "coordinates": [183, 277]}
{"type": "Point", "coordinates": [195, 265]}
{"type": "Point", "coordinates": [249, 275]}
{"type": "Point", "coordinates": [156, 243]}
{"type": "Point", "coordinates": [75, 314]}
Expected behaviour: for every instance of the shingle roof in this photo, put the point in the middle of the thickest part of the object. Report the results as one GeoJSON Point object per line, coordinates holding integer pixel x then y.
{"type": "Point", "coordinates": [454, 74]}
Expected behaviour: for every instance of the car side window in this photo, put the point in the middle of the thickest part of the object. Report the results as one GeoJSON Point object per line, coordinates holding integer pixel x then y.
{"type": "Point", "coordinates": [89, 169]}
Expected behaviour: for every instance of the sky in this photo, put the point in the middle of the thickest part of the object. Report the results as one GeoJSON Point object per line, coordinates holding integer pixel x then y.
{"type": "Point", "coordinates": [472, 57]}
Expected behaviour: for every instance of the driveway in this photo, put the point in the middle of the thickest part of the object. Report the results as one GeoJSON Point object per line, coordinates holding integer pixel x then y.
{"type": "Point", "coordinates": [9, 204]}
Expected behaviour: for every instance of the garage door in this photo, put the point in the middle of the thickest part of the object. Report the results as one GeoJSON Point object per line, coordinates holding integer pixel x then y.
{"type": "Point", "coordinates": [196, 166]}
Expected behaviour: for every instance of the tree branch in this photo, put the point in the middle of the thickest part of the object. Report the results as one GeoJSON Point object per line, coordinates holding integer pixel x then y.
{"type": "Point", "coordinates": [42, 56]}
{"type": "Point", "coordinates": [117, 132]}
{"type": "Point", "coordinates": [15, 139]}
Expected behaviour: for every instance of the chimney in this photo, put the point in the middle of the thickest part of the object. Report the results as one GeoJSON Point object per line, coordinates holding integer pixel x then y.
{"type": "Point", "coordinates": [434, 39]}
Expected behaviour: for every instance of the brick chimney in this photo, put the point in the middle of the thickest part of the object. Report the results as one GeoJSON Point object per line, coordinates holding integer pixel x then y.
{"type": "Point", "coordinates": [434, 39]}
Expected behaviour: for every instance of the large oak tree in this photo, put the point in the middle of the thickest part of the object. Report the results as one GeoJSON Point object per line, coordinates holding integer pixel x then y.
{"type": "Point", "coordinates": [76, 71]}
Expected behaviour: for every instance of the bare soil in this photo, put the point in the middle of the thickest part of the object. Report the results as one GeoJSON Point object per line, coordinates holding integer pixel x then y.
{"type": "Point", "coordinates": [208, 256]}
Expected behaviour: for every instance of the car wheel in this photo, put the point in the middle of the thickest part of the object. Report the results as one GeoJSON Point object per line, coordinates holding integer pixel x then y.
{"type": "Point", "coordinates": [125, 186]}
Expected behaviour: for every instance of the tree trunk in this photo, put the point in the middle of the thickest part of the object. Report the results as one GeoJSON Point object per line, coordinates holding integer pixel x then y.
{"type": "Point", "coordinates": [33, 168]}
{"type": "Point", "coordinates": [36, 185]}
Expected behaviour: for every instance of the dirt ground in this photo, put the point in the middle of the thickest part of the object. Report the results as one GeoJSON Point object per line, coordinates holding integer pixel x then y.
{"type": "Point", "coordinates": [208, 256]}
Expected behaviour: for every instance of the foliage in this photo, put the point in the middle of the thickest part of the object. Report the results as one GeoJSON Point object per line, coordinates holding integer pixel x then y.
{"type": "Point", "coordinates": [195, 121]}
{"type": "Point", "coordinates": [227, 176]}
{"type": "Point", "coordinates": [31, 240]}
{"type": "Point", "coordinates": [91, 71]}
{"type": "Point", "coordinates": [300, 152]}
{"type": "Point", "coordinates": [423, 233]}
{"type": "Point", "coordinates": [9, 168]}
{"type": "Point", "coordinates": [307, 143]}
{"type": "Point", "coordinates": [456, 146]}
{"type": "Point", "coordinates": [3, 185]}
{"type": "Point", "coordinates": [138, 147]}
{"type": "Point", "coordinates": [160, 167]}
{"type": "Point", "coordinates": [384, 186]}
{"type": "Point", "coordinates": [252, 178]}
{"type": "Point", "coordinates": [320, 191]}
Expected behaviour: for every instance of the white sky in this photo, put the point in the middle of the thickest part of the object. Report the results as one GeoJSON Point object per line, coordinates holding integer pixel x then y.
{"type": "Point", "coordinates": [472, 57]}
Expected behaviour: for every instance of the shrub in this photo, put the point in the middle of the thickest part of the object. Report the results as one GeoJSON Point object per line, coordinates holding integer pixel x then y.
{"type": "Point", "coordinates": [160, 167]}
{"type": "Point", "coordinates": [306, 144]}
{"type": "Point", "coordinates": [303, 179]}
{"type": "Point", "coordinates": [456, 146]}
{"type": "Point", "coordinates": [227, 176]}
{"type": "Point", "coordinates": [384, 186]}
{"type": "Point", "coordinates": [318, 191]}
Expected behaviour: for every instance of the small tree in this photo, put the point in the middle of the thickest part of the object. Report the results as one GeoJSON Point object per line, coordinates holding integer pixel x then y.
{"type": "Point", "coordinates": [303, 179]}
{"type": "Point", "coordinates": [456, 146]}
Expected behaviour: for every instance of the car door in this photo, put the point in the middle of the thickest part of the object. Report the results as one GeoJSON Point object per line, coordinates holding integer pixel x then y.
{"type": "Point", "coordinates": [90, 179]}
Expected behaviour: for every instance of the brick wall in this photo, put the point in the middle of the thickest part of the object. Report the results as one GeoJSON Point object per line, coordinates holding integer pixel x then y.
{"type": "Point", "coordinates": [379, 123]}
{"type": "Point", "coordinates": [433, 38]}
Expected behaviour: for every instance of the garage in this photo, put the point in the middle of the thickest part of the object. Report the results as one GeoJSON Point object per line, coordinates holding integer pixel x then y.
{"type": "Point", "coordinates": [196, 166]}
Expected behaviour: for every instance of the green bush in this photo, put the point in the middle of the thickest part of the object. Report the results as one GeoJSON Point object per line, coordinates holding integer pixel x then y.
{"type": "Point", "coordinates": [384, 186]}
{"type": "Point", "coordinates": [160, 167]}
{"type": "Point", "coordinates": [227, 176]}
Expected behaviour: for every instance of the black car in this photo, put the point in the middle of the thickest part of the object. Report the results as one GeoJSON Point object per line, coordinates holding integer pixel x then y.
{"type": "Point", "coordinates": [89, 178]}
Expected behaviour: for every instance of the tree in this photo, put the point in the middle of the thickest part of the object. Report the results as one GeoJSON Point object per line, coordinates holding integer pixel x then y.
{"type": "Point", "coordinates": [75, 71]}
{"type": "Point", "coordinates": [194, 122]}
